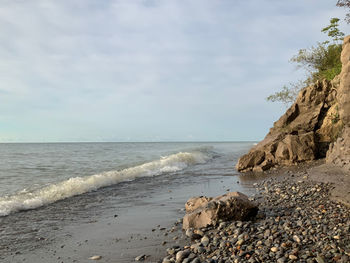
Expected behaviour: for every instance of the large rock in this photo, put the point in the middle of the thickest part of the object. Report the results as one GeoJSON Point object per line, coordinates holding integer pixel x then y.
{"type": "Point", "coordinates": [302, 134]}
{"type": "Point", "coordinates": [339, 151]}
{"type": "Point", "coordinates": [204, 211]}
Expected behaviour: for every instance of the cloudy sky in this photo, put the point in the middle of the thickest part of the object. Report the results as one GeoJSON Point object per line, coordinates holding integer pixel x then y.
{"type": "Point", "coordinates": [150, 70]}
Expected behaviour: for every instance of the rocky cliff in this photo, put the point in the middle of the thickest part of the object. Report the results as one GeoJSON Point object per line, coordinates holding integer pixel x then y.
{"type": "Point", "coordinates": [317, 125]}
{"type": "Point", "coordinates": [339, 152]}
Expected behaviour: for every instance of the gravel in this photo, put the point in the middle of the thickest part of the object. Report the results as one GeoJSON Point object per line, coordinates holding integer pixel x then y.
{"type": "Point", "coordinates": [297, 222]}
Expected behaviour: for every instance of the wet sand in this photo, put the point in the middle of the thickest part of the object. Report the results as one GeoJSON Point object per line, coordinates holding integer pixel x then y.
{"type": "Point", "coordinates": [141, 227]}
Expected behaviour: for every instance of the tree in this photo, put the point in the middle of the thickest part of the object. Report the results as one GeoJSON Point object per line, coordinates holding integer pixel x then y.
{"type": "Point", "coordinates": [320, 62]}
{"type": "Point", "coordinates": [287, 95]}
{"type": "Point", "coordinates": [345, 4]}
{"type": "Point", "coordinates": [333, 31]}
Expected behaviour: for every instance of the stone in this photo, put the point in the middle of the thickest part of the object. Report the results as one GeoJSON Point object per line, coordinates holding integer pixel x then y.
{"type": "Point", "coordinates": [140, 258]}
{"type": "Point", "coordinates": [95, 257]}
{"type": "Point", "coordinates": [296, 239]}
{"type": "Point", "coordinates": [293, 257]}
{"type": "Point", "coordinates": [203, 211]}
{"type": "Point", "coordinates": [251, 160]}
{"type": "Point", "coordinates": [274, 249]}
{"type": "Point", "coordinates": [182, 255]}
{"type": "Point", "coordinates": [196, 202]}
{"type": "Point", "coordinates": [319, 259]}
{"type": "Point", "coordinates": [205, 241]}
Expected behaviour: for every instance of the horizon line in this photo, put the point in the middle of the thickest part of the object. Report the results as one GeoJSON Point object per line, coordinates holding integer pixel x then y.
{"type": "Point", "coordinates": [53, 142]}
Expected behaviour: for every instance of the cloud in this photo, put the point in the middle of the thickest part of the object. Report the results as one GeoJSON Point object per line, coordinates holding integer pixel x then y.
{"type": "Point", "coordinates": [137, 70]}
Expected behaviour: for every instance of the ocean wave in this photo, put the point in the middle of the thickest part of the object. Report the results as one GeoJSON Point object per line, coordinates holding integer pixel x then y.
{"type": "Point", "coordinates": [79, 185]}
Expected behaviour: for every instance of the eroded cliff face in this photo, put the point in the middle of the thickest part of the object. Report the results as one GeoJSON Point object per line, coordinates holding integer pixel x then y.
{"type": "Point", "coordinates": [302, 134]}
{"type": "Point", "coordinates": [339, 151]}
{"type": "Point", "coordinates": [317, 125]}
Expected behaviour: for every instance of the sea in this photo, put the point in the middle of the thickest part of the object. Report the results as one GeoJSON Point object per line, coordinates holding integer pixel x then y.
{"type": "Point", "coordinates": [47, 188]}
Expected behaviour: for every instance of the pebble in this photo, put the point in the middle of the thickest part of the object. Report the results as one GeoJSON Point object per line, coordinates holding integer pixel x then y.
{"type": "Point", "coordinates": [297, 222]}
{"type": "Point", "coordinates": [205, 241]}
{"type": "Point", "coordinates": [274, 249]}
{"type": "Point", "coordinates": [181, 255]}
{"type": "Point", "coordinates": [95, 257]}
{"type": "Point", "coordinates": [140, 258]}
{"type": "Point", "coordinates": [293, 257]}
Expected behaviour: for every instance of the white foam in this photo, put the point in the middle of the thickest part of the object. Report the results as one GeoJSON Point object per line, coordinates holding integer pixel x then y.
{"type": "Point", "coordinates": [78, 185]}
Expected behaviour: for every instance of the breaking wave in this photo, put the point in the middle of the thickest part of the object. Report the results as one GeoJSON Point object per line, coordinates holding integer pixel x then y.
{"type": "Point", "coordinates": [79, 185]}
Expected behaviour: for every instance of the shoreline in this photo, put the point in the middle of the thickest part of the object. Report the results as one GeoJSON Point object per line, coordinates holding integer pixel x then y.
{"type": "Point", "coordinates": [143, 225]}
{"type": "Point", "coordinates": [304, 216]}
{"type": "Point", "coordinates": [157, 228]}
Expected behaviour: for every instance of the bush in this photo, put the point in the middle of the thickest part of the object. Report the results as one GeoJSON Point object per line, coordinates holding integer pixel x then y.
{"type": "Point", "coordinates": [320, 62]}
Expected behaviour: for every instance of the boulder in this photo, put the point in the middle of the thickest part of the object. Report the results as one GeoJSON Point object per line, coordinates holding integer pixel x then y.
{"type": "Point", "coordinates": [203, 211]}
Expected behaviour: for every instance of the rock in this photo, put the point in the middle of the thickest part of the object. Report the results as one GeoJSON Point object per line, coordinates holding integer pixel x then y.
{"type": "Point", "coordinates": [239, 242]}
{"type": "Point", "coordinates": [140, 258]}
{"type": "Point", "coordinates": [197, 234]}
{"type": "Point", "coordinates": [293, 257]}
{"type": "Point", "coordinates": [95, 257]}
{"type": "Point", "coordinates": [251, 160]}
{"type": "Point", "coordinates": [274, 249]}
{"type": "Point", "coordinates": [319, 259]}
{"type": "Point", "coordinates": [302, 134]}
{"type": "Point", "coordinates": [182, 255]}
{"type": "Point", "coordinates": [196, 202]}
{"type": "Point", "coordinates": [203, 211]}
{"type": "Point", "coordinates": [317, 125]}
{"type": "Point", "coordinates": [189, 233]}
{"type": "Point", "coordinates": [296, 238]}
{"type": "Point", "coordinates": [205, 241]}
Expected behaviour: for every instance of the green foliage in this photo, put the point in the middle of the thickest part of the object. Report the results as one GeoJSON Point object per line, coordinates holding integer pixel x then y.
{"type": "Point", "coordinates": [288, 93]}
{"type": "Point", "coordinates": [320, 62]}
{"type": "Point", "coordinates": [333, 31]}
{"type": "Point", "coordinates": [345, 4]}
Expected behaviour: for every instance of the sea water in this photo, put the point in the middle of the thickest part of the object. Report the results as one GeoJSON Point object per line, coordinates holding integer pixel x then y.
{"type": "Point", "coordinates": [46, 185]}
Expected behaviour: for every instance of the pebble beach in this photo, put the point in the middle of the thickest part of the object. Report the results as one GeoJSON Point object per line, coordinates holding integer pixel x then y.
{"type": "Point", "coordinates": [297, 222]}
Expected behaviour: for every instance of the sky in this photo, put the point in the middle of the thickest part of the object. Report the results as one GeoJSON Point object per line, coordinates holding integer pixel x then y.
{"type": "Point", "coordinates": [150, 70]}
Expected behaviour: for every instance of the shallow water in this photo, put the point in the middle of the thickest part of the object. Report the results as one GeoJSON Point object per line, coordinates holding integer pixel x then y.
{"type": "Point", "coordinates": [110, 178]}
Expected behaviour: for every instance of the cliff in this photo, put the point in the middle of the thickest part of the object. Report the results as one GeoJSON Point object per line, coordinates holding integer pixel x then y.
{"type": "Point", "coordinates": [339, 151]}
{"type": "Point", "coordinates": [317, 125]}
